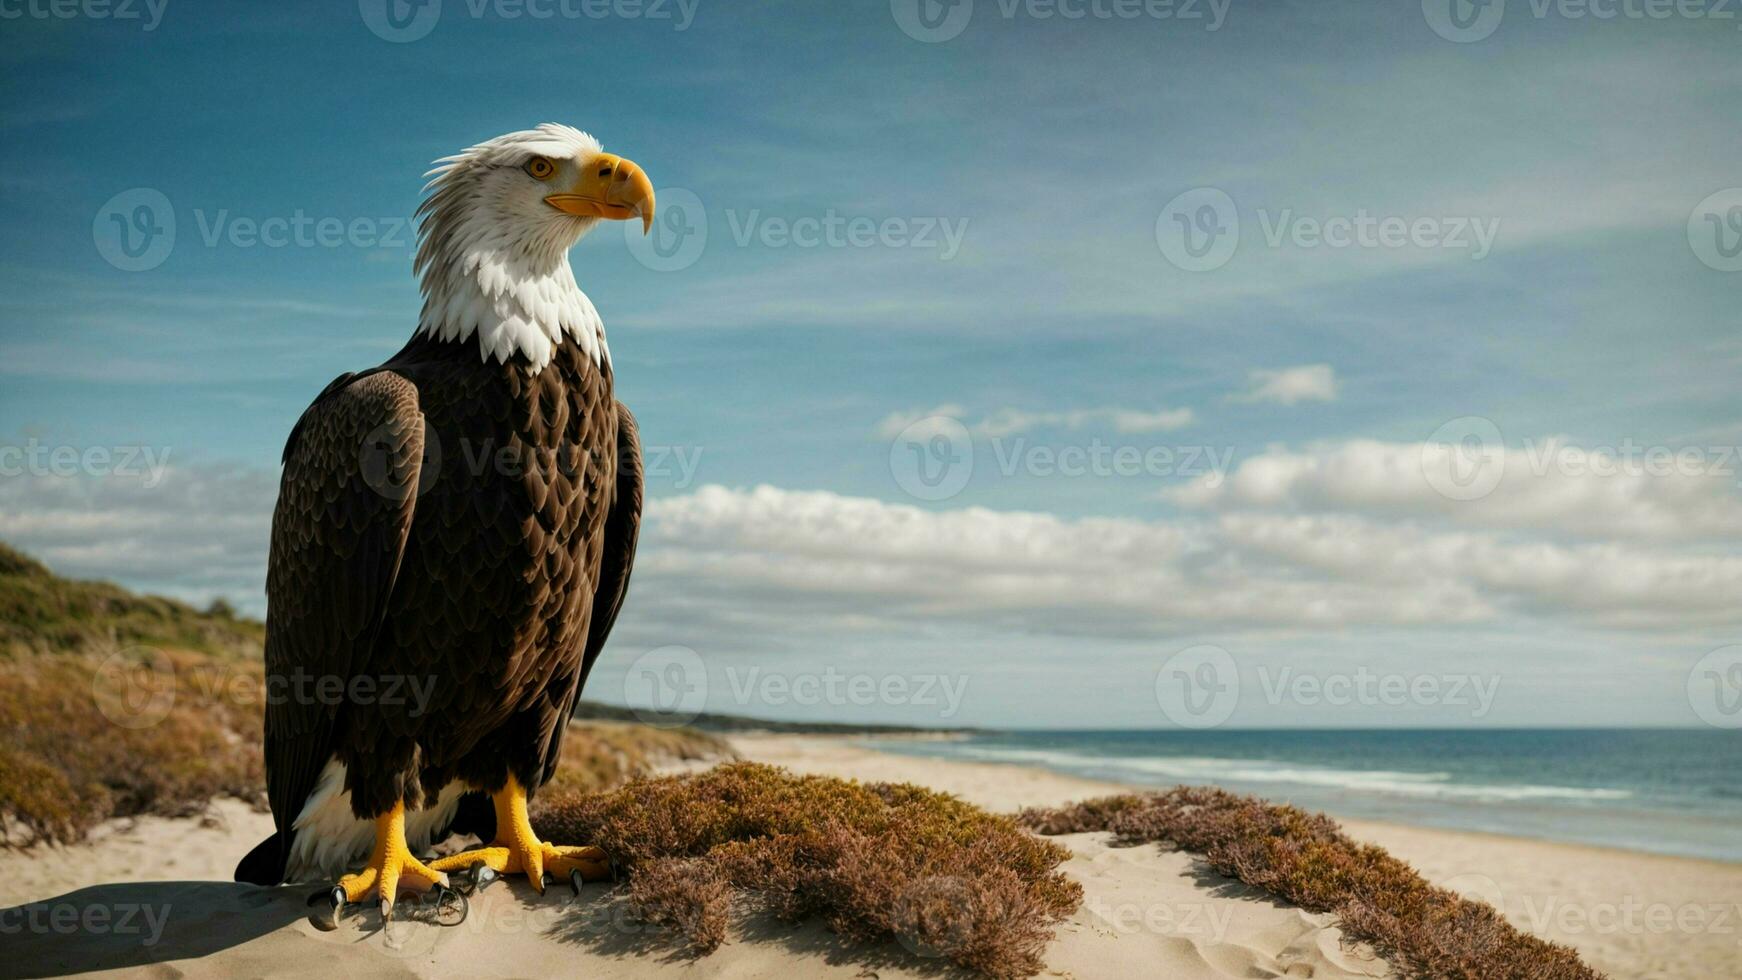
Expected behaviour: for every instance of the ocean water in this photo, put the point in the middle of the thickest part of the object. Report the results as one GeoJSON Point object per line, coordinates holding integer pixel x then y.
{"type": "Point", "coordinates": [1663, 791]}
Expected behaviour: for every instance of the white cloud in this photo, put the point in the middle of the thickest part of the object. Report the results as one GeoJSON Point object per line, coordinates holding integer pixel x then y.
{"type": "Point", "coordinates": [1013, 421]}
{"type": "Point", "coordinates": [1292, 385]}
{"type": "Point", "coordinates": [895, 423]}
{"type": "Point", "coordinates": [1338, 537]}
{"type": "Point", "coordinates": [853, 560]}
{"type": "Point", "coordinates": [1546, 485]}
{"type": "Point", "coordinates": [200, 532]}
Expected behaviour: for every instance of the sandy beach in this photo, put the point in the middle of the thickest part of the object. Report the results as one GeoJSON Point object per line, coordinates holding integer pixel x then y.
{"type": "Point", "coordinates": [156, 894]}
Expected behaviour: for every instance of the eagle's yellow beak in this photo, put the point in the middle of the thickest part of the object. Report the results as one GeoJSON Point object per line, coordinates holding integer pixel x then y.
{"type": "Point", "coordinates": [609, 187]}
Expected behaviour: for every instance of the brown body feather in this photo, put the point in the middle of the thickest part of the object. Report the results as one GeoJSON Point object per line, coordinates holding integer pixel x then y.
{"type": "Point", "coordinates": [447, 525]}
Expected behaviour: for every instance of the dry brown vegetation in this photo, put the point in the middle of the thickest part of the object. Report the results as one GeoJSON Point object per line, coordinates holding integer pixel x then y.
{"type": "Point", "coordinates": [84, 738]}
{"type": "Point", "coordinates": [600, 755]}
{"type": "Point", "coordinates": [117, 705]}
{"type": "Point", "coordinates": [1305, 858]}
{"type": "Point", "coordinates": [875, 862]}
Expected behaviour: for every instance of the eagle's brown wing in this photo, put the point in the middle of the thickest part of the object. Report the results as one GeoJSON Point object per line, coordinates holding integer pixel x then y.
{"type": "Point", "coordinates": [351, 471]}
{"type": "Point", "coordinates": [622, 528]}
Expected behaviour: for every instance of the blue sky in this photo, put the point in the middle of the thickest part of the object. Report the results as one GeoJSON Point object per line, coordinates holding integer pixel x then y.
{"type": "Point", "coordinates": [1057, 150]}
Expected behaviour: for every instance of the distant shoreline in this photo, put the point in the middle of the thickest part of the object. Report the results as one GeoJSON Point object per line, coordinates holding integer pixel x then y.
{"type": "Point", "coordinates": [1653, 793]}
{"type": "Point", "coordinates": [708, 721]}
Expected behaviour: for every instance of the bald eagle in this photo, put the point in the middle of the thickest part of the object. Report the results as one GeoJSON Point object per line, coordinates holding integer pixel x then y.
{"type": "Point", "coordinates": [452, 542]}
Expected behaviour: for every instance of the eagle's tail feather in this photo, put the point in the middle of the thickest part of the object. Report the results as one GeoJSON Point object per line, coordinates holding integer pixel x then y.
{"type": "Point", "coordinates": [265, 864]}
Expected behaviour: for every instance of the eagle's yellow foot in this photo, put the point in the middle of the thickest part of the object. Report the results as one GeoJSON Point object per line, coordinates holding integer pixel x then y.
{"type": "Point", "coordinates": [517, 850]}
{"type": "Point", "coordinates": [391, 867]}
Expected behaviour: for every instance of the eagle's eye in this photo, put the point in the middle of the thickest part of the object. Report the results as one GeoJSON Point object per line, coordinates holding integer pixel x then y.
{"type": "Point", "coordinates": [540, 168]}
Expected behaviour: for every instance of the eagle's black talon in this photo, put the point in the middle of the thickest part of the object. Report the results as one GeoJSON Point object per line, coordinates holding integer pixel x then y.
{"type": "Point", "coordinates": [446, 900]}
{"type": "Point", "coordinates": [575, 881]}
{"type": "Point", "coordinates": [473, 879]}
{"type": "Point", "coordinates": [328, 906]}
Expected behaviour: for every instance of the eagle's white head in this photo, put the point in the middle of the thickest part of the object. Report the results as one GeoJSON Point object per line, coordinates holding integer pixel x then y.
{"type": "Point", "coordinates": [494, 231]}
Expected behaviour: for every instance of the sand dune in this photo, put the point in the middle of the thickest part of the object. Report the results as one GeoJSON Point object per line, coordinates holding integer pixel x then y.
{"type": "Point", "coordinates": [156, 894]}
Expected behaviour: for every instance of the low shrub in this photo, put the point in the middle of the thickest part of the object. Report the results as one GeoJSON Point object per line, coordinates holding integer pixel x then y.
{"type": "Point", "coordinates": [875, 862]}
{"type": "Point", "coordinates": [1305, 858]}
